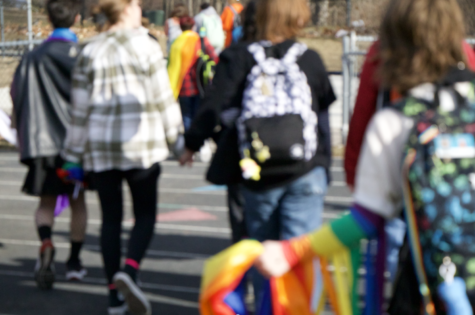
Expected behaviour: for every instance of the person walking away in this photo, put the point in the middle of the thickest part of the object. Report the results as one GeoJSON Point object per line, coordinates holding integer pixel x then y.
{"type": "Point", "coordinates": [247, 30]}
{"type": "Point", "coordinates": [41, 113]}
{"type": "Point", "coordinates": [209, 25]}
{"type": "Point", "coordinates": [172, 25]}
{"type": "Point", "coordinates": [437, 95]}
{"type": "Point", "coordinates": [207, 124]}
{"type": "Point", "coordinates": [371, 97]}
{"type": "Point", "coordinates": [182, 69]}
{"type": "Point", "coordinates": [284, 181]}
{"type": "Point", "coordinates": [231, 19]}
{"type": "Point", "coordinates": [125, 119]}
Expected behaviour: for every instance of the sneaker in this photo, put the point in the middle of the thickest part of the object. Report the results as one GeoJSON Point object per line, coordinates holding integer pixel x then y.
{"type": "Point", "coordinates": [118, 310]}
{"type": "Point", "coordinates": [44, 269]}
{"type": "Point", "coordinates": [136, 301]}
{"type": "Point", "coordinates": [75, 271]}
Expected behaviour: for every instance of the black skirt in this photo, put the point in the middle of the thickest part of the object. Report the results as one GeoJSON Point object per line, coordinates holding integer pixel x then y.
{"type": "Point", "coordinates": [42, 179]}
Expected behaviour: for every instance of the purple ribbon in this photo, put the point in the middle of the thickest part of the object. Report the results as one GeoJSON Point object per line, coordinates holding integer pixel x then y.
{"type": "Point", "coordinates": [62, 202]}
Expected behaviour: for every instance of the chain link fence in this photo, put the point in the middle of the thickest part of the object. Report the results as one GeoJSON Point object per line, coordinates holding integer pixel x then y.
{"type": "Point", "coordinates": [18, 35]}
{"type": "Point", "coordinates": [20, 23]}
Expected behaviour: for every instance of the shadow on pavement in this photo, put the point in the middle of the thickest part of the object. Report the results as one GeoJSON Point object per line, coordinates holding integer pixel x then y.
{"type": "Point", "coordinates": [170, 292]}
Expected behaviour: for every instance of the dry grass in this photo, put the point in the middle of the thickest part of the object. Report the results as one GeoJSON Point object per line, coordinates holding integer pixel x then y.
{"type": "Point", "coordinates": [7, 69]}
{"type": "Point", "coordinates": [329, 49]}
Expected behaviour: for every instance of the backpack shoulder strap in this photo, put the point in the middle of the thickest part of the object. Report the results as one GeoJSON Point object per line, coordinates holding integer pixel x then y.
{"type": "Point", "coordinates": [203, 45]}
{"type": "Point", "coordinates": [258, 52]}
{"type": "Point", "coordinates": [294, 53]}
{"type": "Point", "coordinates": [234, 10]}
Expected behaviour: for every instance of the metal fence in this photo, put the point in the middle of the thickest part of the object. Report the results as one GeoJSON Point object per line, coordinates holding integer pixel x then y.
{"type": "Point", "coordinates": [18, 22]}
{"type": "Point", "coordinates": [354, 52]}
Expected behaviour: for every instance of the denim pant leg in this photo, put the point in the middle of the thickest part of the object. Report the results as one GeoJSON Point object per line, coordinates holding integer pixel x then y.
{"type": "Point", "coordinates": [262, 221]}
{"type": "Point", "coordinates": [262, 218]}
{"type": "Point", "coordinates": [195, 106]}
{"type": "Point", "coordinates": [302, 206]}
{"type": "Point", "coordinates": [395, 233]}
{"type": "Point", "coordinates": [186, 111]}
{"type": "Point", "coordinates": [189, 107]}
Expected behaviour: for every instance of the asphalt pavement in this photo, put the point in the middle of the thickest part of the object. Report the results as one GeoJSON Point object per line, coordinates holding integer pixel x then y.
{"type": "Point", "coordinates": [192, 226]}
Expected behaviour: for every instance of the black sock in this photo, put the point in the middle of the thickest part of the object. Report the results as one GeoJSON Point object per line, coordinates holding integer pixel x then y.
{"type": "Point", "coordinates": [44, 232]}
{"type": "Point", "coordinates": [131, 271]}
{"type": "Point", "coordinates": [114, 298]}
{"type": "Point", "coordinates": [75, 249]}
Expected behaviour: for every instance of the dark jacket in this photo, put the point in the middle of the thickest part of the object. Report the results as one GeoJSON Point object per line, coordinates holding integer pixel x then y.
{"type": "Point", "coordinates": [41, 94]}
{"type": "Point", "coordinates": [227, 92]}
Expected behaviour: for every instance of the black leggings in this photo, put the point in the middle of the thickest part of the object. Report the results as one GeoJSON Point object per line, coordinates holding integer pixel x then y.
{"type": "Point", "coordinates": [143, 187]}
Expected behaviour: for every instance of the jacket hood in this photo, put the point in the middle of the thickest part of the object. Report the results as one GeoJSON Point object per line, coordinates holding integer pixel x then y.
{"type": "Point", "coordinates": [209, 11]}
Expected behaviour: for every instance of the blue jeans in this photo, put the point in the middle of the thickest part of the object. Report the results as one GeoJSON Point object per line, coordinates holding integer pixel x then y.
{"type": "Point", "coordinates": [395, 233]}
{"type": "Point", "coordinates": [189, 107]}
{"type": "Point", "coordinates": [289, 211]}
{"type": "Point", "coordinates": [284, 212]}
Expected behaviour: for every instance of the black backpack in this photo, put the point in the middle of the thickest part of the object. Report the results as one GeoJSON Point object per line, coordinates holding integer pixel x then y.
{"type": "Point", "coordinates": [205, 69]}
{"type": "Point", "coordinates": [277, 125]}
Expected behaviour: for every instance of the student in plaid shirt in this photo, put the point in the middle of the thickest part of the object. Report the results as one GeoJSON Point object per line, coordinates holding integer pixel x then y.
{"type": "Point", "coordinates": [125, 118]}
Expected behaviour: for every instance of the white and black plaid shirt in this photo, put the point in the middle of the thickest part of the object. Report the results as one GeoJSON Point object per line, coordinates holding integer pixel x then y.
{"type": "Point", "coordinates": [124, 113]}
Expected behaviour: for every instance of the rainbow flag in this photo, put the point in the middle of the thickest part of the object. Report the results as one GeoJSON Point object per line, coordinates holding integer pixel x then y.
{"type": "Point", "coordinates": [183, 55]}
{"type": "Point", "coordinates": [299, 292]}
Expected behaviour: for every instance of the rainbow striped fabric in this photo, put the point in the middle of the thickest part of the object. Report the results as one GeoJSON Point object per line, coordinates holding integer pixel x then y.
{"type": "Point", "coordinates": [324, 265]}
{"type": "Point", "coordinates": [183, 56]}
{"type": "Point", "coordinates": [299, 292]}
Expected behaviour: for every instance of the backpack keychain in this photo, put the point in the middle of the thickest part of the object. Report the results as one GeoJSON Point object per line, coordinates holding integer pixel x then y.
{"type": "Point", "coordinates": [453, 290]}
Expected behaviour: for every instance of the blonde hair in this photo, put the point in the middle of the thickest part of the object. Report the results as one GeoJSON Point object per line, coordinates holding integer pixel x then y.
{"type": "Point", "coordinates": [276, 19]}
{"type": "Point", "coordinates": [420, 41]}
{"type": "Point", "coordinates": [113, 9]}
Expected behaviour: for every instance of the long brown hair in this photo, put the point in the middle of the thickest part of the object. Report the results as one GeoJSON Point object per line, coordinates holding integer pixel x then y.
{"type": "Point", "coordinates": [281, 19]}
{"type": "Point", "coordinates": [420, 41]}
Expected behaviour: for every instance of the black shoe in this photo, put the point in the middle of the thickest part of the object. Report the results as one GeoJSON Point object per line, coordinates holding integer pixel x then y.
{"type": "Point", "coordinates": [137, 302]}
{"type": "Point", "coordinates": [44, 269]}
{"type": "Point", "coordinates": [75, 271]}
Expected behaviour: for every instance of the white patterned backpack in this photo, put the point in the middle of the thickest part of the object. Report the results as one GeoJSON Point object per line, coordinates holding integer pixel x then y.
{"type": "Point", "coordinates": [277, 127]}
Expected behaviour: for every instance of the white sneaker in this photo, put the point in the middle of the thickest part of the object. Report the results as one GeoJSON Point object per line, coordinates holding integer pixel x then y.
{"type": "Point", "coordinates": [118, 310]}
{"type": "Point", "coordinates": [75, 271]}
{"type": "Point", "coordinates": [137, 302]}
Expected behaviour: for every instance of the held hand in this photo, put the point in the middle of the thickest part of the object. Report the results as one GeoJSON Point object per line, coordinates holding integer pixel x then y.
{"type": "Point", "coordinates": [71, 172]}
{"type": "Point", "coordinates": [187, 158]}
{"type": "Point", "coordinates": [272, 262]}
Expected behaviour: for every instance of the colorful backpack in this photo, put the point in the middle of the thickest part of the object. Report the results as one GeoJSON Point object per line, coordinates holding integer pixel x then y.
{"type": "Point", "coordinates": [277, 125]}
{"type": "Point", "coordinates": [439, 190]}
{"type": "Point", "coordinates": [213, 30]}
